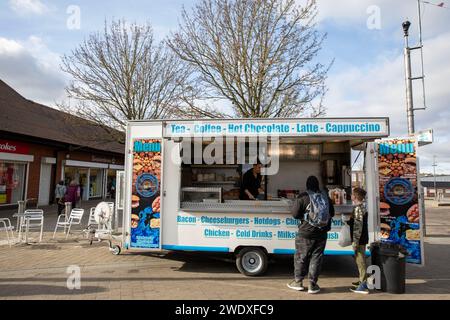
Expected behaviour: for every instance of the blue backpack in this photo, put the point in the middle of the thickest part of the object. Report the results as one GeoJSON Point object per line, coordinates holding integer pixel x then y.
{"type": "Point", "coordinates": [318, 211]}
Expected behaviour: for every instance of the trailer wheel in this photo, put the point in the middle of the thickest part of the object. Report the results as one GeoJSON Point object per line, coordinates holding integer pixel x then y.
{"type": "Point", "coordinates": [252, 261]}
{"type": "Point", "coordinates": [115, 250]}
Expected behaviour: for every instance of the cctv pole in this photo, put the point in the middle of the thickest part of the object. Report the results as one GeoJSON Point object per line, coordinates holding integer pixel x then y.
{"type": "Point", "coordinates": [408, 80]}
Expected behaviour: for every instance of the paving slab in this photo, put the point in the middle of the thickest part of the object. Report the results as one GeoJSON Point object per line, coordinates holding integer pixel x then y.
{"type": "Point", "coordinates": [40, 271]}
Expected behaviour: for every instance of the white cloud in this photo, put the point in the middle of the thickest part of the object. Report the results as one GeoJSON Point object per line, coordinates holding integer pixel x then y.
{"type": "Point", "coordinates": [28, 6]}
{"type": "Point", "coordinates": [378, 89]}
{"type": "Point", "coordinates": [32, 69]}
{"type": "Point", "coordinates": [392, 14]}
{"type": "Point", "coordinates": [9, 47]}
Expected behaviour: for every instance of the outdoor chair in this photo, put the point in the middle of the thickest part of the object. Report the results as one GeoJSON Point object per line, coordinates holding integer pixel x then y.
{"type": "Point", "coordinates": [75, 218]}
{"type": "Point", "coordinates": [7, 228]}
{"type": "Point", "coordinates": [91, 221]}
{"type": "Point", "coordinates": [34, 219]}
{"type": "Point", "coordinates": [111, 206]}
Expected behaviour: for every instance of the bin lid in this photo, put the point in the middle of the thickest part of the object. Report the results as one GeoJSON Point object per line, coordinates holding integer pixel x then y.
{"type": "Point", "coordinates": [389, 249]}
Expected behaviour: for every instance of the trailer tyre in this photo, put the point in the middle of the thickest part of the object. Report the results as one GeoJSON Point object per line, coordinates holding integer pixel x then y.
{"type": "Point", "coordinates": [252, 261]}
{"type": "Point", "coordinates": [115, 250]}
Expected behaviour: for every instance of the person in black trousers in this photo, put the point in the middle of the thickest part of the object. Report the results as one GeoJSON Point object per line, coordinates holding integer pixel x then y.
{"type": "Point", "coordinates": [310, 241]}
{"type": "Point", "coordinates": [60, 193]}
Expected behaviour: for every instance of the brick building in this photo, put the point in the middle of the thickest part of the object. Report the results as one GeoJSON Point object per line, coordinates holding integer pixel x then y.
{"type": "Point", "coordinates": [40, 146]}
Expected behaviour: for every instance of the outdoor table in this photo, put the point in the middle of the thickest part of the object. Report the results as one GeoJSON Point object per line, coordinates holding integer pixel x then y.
{"type": "Point", "coordinates": [22, 217]}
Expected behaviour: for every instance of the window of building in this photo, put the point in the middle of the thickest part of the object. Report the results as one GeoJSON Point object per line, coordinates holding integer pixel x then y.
{"type": "Point", "coordinates": [111, 184]}
{"type": "Point", "coordinates": [12, 182]}
{"type": "Point", "coordinates": [95, 182]}
{"type": "Point", "coordinates": [79, 175]}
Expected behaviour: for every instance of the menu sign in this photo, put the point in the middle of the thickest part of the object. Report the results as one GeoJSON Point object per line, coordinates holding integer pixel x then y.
{"type": "Point", "coordinates": [399, 210]}
{"type": "Point", "coordinates": [145, 199]}
{"type": "Point", "coordinates": [370, 127]}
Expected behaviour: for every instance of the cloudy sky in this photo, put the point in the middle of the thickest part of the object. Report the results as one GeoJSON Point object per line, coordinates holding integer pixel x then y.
{"type": "Point", "coordinates": [364, 37]}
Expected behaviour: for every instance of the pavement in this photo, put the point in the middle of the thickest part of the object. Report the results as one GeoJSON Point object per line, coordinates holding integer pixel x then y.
{"type": "Point", "coordinates": [46, 271]}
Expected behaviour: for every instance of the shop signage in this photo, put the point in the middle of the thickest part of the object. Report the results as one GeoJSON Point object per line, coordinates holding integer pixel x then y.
{"type": "Point", "coordinates": [145, 201]}
{"type": "Point", "coordinates": [400, 213]}
{"type": "Point", "coordinates": [14, 147]}
{"type": "Point", "coordinates": [374, 127]}
{"type": "Point", "coordinates": [100, 159]}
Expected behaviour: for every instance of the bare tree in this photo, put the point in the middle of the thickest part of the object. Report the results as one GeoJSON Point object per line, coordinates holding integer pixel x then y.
{"type": "Point", "coordinates": [123, 74]}
{"type": "Point", "coordinates": [258, 54]}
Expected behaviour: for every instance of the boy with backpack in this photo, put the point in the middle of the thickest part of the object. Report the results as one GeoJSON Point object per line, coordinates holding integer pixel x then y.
{"type": "Point", "coordinates": [360, 238]}
{"type": "Point", "coordinates": [315, 213]}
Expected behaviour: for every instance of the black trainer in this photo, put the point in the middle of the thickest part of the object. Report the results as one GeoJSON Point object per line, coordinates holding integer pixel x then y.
{"type": "Point", "coordinates": [313, 288]}
{"type": "Point", "coordinates": [296, 285]}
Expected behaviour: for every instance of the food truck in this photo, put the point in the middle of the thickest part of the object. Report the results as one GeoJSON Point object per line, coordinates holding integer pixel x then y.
{"type": "Point", "coordinates": [183, 181]}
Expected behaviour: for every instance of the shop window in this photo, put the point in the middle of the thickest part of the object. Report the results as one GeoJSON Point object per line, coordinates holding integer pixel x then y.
{"type": "Point", "coordinates": [12, 182]}
{"type": "Point", "coordinates": [111, 184]}
{"type": "Point", "coordinates": [95, 183]}
{"type": "Point", "coordinates": [79, 175]}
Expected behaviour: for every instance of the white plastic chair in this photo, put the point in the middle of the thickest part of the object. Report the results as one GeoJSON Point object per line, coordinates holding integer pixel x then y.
{"type": "Point", "coordinates": [91, 221]}
{"type": "Point", "coordinates": [8, 228]}
{"type": "Point", "coordinates": [111, 206]}
{"type": "Point", "coordinates": [33, 220]}
{"type": "Point", "coordinates": [75, 218]}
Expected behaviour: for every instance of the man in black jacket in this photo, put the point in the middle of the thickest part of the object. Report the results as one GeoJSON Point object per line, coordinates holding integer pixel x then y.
{"type": "Point", "coordinates": [310, 242]}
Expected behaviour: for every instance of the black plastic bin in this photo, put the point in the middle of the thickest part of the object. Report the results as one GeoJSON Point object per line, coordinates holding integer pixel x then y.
{"type": "Point", "coordinates": [391, 260]}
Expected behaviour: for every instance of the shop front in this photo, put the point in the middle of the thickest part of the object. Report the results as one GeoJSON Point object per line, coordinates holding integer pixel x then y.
{"type": "Point", "coordinates": [14, 164]}
{"type": "Point", "coordinates": [30, 170]}
{"type": "Point", "coordinates": [96, 179]}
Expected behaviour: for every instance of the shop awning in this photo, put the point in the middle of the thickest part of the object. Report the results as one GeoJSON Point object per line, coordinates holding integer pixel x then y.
{"type": "Point", "coordinates": [16, 157]}
{"type": "Point", "coordinates": [85, 164]}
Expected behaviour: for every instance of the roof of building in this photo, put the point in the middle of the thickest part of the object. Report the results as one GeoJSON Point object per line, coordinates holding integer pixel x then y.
{"type": "Point", "coordinates": [25, 117]}
{"type": "Point", "coordinates": [430, 184]}
{"type": "Point", "coordinates": [438, 179]}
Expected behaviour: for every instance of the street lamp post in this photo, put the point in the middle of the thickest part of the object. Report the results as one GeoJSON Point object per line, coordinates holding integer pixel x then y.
{"type": "Point", "coordinates": [408, 80]}
{"type": "Point", "coordinates": [408, 74]}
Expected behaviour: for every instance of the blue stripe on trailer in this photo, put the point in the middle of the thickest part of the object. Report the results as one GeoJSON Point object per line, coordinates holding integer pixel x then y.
{"type": "Point", "coordinates": [327, 252]}
{"type": "Point", "coordinates": [195, 248]}
{"type": "Point", "coordinates": [339, 253]}
{"type": "Point", "coordinates": [283, 251]}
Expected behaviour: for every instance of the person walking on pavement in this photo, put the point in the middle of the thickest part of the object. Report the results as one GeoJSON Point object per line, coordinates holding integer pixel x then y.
{"type": "Point", "coordinates": [73, 193]}
{"type": "Point", "coordinates": [315, 214]}
{"type": "Point", "coordinates": [359, 232]}
{"type": "Point", "coordinates": [60, 192]}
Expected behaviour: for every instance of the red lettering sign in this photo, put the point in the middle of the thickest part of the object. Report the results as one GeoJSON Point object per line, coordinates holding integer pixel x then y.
{"type": "Point", "coordinates": [8, 146]}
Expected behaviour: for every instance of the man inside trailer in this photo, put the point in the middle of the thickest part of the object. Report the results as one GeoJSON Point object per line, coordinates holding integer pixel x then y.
{"type": "Point", "coordinates": [251, 183]}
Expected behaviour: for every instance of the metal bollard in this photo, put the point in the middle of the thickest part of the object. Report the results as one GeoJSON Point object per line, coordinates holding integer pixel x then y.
{"type": "Point", "coordinates": [20, 209]}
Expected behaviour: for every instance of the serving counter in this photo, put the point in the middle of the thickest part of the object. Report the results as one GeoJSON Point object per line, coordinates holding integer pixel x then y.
{"type": "Point", "coordinates": [345, 208]}
{"type": "Point", "coordinates": [282, 206]}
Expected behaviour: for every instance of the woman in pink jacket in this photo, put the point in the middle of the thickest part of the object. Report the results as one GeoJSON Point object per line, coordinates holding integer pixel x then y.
{"type": "Point", "coordinates": [73, 193]}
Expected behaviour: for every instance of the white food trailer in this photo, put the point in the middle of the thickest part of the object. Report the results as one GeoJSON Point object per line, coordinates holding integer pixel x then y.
{"type": "Point", "coordinates": [182, 180]}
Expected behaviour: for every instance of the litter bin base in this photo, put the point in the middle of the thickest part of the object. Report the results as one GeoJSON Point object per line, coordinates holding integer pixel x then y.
{"type": "Point", "coordinates": [391, 260]}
